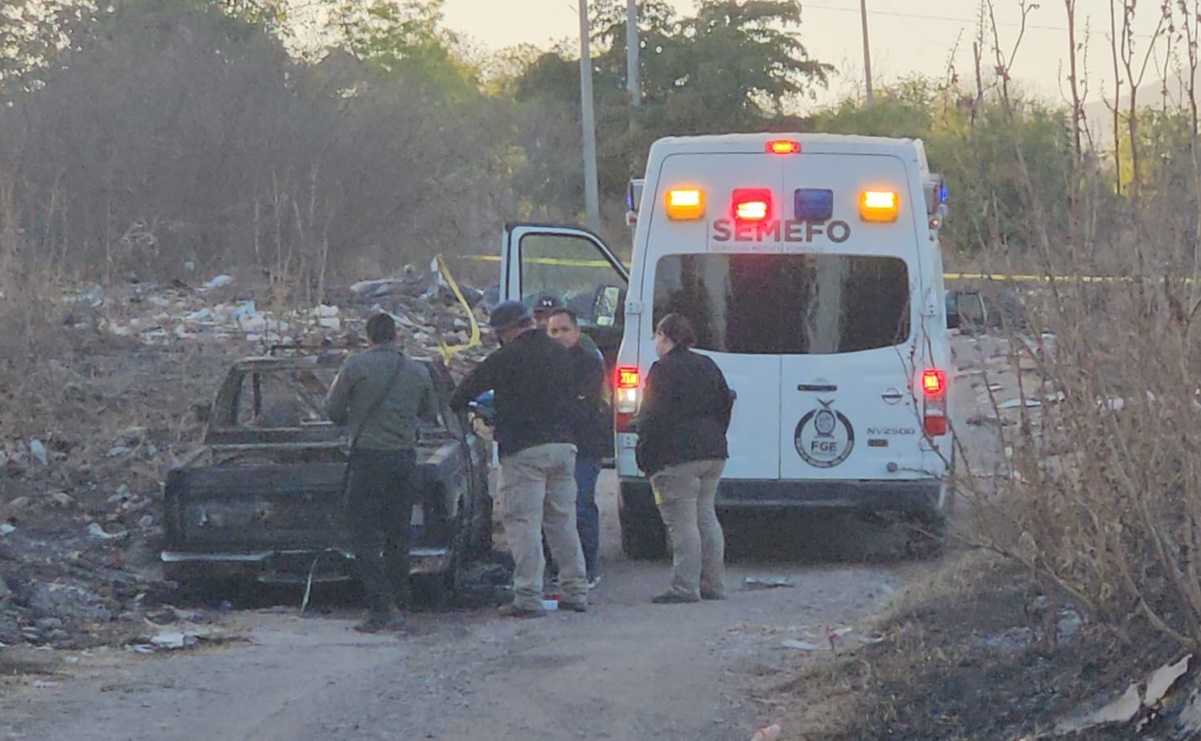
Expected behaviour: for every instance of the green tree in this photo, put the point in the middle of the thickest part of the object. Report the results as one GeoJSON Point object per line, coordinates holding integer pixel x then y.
{"type": "Point", "coordinates": [404, 38]}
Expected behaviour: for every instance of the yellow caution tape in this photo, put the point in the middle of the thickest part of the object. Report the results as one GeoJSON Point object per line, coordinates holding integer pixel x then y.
{"type": "Point", "coordinates": [547, 261]}
{"type": "Point", "coordinates": [449, 351]}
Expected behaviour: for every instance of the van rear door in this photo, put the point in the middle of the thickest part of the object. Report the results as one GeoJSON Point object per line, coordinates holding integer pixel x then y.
{"type": "Point", "coordinates": [848, 327]}
{"type": "Point", "coordinates": [699, 269]}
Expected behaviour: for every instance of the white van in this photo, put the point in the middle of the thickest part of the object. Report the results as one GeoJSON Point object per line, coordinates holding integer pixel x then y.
{"type": "Point", "coordinates": [809, 265]}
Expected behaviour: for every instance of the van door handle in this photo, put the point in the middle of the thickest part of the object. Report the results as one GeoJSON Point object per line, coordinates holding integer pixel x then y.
{"type": "Point", "coordinates": [817, 388]}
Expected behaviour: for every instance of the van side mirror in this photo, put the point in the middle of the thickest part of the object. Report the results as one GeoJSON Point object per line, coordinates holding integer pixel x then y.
{"type": "Point", "coordinates": [606, 303]}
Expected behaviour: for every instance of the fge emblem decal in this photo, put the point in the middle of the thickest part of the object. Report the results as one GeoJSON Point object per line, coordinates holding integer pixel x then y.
{"type": "Point", "coordinates": [824, 437]}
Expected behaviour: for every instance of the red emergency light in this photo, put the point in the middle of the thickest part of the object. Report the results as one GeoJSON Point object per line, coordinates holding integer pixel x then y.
{"type": "Point", "coordinates": [751, 204]}
{"type": "Point", "coordinates": [783, 146]}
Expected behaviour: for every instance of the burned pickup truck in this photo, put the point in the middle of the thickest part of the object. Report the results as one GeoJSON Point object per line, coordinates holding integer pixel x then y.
{"type": "Point", "coordinates": [261, 500]}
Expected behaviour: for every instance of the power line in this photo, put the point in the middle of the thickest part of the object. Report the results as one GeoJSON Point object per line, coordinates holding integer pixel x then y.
{"type": "Point", "coordinates": [919, 16]}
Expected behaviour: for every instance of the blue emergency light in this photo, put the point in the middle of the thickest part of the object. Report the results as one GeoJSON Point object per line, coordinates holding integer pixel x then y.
{"type": "Point", "coordinates": [813, 204]}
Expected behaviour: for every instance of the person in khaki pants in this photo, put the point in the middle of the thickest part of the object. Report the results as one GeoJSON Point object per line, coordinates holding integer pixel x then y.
{"type": "Point", "coordinates": [682, 447]}
{"type": "Point", "coordinates": [533, 381]}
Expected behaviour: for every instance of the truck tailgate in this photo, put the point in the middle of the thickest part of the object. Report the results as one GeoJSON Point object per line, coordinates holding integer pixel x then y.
{"type": "Point", "coordinates": [251, 507]}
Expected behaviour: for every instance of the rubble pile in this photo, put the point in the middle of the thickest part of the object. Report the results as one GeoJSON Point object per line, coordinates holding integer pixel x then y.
{"type": "Point", "coordinates": [426, 309]}
{"type": "Point", "coordinates": [79, 515]}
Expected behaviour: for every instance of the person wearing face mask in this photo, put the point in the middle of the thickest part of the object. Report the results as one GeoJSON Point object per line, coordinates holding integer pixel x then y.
{"type": "Point", "coordinates": [682, 448]}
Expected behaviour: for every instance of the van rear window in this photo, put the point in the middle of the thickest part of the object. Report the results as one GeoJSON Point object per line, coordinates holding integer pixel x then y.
{"type": "Point", "coordinates": [787, 304]}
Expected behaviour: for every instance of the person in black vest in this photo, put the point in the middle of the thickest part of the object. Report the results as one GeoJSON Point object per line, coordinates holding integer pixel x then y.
{"type": "Point", "coordinates": [682, 448]}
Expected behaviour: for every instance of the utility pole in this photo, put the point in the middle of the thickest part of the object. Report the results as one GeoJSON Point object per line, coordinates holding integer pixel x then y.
{"type": "Point", "coordinates": [632, 54]}
{"type": "Point", "coordinates": [867, 53]}
{"type": "Point", "coordinates": [591, 196]}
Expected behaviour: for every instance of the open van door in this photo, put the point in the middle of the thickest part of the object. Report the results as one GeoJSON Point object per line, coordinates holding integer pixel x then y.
{"type": "Point", "coordinates": [575, 265]}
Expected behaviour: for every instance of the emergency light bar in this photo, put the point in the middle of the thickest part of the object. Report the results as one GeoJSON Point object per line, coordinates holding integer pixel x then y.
{"type": "Point", "coordinates": [813, 204]}
{"type": "Point", "coordinates": [685, 204]}
{"type": "Point", "coordinates": [751, 204]}
{"type": "Point", "coordinates": [782, 146]}
{"type": "Point", "coordinates": [879, 205]}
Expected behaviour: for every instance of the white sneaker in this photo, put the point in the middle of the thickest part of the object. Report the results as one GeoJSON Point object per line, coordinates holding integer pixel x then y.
{"type": "Point", "coordinates": [593, 582]}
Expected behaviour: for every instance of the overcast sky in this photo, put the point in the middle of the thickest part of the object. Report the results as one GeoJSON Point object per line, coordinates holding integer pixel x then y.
{"type": "Point", "coordinates": [906, 35]}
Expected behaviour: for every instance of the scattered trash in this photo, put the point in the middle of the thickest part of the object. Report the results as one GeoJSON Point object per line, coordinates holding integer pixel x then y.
{"type": "Point", "coordinates": [799, 645]}
{"type": "Point", "coordinates": [96, 530]}
{"type": "Point", "coordinates": [836, 635]}
{"type": "Point", "coordinates": [5, 529]}
{"type": "Point", "coordinates": [770, 733]}
{"type": "Point", "coordinates": [174, 641]}
{"type": "Point", "coordinates": [1017, 403]}
{"type": "Point", "coordinates": [1130, 703]}
{"type": "Point", "coordinates": [43, 684]}
{"type": "Point", "coordinates": [38, 451]}
{"type": "Point", "coordinates": [768, 582]}
{"type": "Point", "coordinates": [1162, 679]}
{"type": "Point", "coordinates": [218, 282]}
{"type": "Point", "coordinates": [872, 638]}
{"type": "Point", "coordinates": [61, 499]}
{"type": "Point", "coordinates": [1069, 624]}
{"type": "Point", "coordinates": [550, 605]}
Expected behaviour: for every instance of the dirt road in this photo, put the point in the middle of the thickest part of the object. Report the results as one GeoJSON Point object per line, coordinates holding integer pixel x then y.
{"type": "Point", "coordinates": [626, 670]}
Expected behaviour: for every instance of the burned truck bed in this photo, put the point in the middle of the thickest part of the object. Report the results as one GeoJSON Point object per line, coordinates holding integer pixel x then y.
{"type": "Point", "coordinates": [262, 498]}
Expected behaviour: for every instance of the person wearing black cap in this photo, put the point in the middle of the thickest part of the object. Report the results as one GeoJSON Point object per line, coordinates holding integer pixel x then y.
{"type": "Point", "coordinates": [532, 378]}
{"type": "Point", "coordinates": [544, 304]}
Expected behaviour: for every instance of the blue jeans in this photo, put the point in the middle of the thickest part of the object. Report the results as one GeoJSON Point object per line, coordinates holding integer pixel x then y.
{"type": "Point", "coordinates": [587, 514]}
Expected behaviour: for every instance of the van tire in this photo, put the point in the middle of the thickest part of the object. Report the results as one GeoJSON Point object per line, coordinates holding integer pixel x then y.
{"type": "Point", "coordinates": [643, 543]}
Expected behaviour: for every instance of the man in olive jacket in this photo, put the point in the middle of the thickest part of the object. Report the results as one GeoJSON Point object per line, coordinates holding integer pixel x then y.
{"type": "Point", "coordinates": [382, 394]}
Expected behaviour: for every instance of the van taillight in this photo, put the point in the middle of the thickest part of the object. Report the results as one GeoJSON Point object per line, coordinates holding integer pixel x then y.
{"type": "Point", "coordinates": [626, 391]}
{"type": "Point", "coordinates": [935, 424]}
{"type": "Point", "coordinates": [934, 382]}
{"type": "Point", "coordinates": [934, 391]}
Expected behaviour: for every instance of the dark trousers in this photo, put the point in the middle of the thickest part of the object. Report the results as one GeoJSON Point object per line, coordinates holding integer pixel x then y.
{"type": "Point", "coordinates": [379, 503]}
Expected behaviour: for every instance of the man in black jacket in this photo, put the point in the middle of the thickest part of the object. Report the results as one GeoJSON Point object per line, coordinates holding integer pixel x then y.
{"type": "Point", "coordinates": [590, 426]}
{"type": "Point", "coordinates": [532, 378]}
